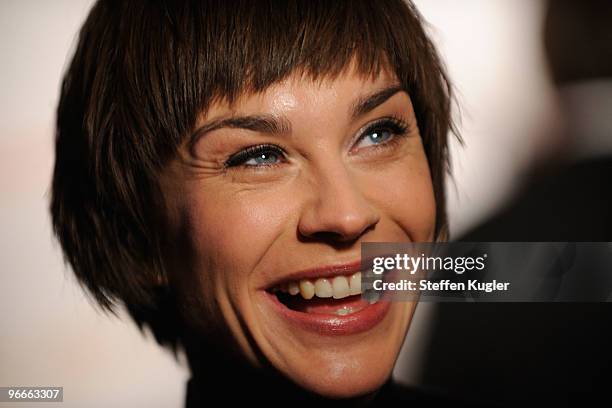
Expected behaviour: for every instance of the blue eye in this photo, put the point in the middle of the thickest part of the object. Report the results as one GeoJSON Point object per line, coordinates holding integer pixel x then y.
{"type": "Point", "coordinates": [376, 137]}
{"type": "Point", "coordinates": [265, 158]}
{"type": "Point", "coordinates": [382, 132]}
{"type": "Point", "coordinates": [255, 156]}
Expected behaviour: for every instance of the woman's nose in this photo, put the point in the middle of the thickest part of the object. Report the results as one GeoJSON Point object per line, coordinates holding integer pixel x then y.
{"type": "Point", "coordinates": [336, 208]}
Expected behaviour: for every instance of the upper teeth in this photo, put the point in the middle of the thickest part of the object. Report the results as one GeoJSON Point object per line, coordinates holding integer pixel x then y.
{"type": "Point", "coordinates": [338, 287]}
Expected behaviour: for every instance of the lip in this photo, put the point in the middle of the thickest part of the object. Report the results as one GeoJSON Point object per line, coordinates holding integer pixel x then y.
{"type": "Point", "coordinates": [330, 325]}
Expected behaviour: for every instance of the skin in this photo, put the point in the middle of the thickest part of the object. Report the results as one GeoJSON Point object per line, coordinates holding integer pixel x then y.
{"type": "Point", "coordinates": [233, 230]}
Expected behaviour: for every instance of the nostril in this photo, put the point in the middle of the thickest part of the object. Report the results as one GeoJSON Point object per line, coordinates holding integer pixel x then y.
{"type": "Point", "coordinates": [336, 239]}
{"type": "Point", "coordinates": [332, 238]}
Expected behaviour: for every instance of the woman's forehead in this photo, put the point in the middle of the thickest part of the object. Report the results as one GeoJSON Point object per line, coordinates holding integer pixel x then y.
{"type": "Point", "coordinates": [299, 93]}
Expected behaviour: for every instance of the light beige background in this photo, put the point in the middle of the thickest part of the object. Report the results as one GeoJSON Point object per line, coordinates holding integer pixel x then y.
{"type": "Point", "coordinates": [50, 334]}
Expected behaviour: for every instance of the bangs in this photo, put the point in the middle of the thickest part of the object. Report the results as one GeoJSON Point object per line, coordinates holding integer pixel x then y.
{"type": "Point", "coordinates": [266, 43]}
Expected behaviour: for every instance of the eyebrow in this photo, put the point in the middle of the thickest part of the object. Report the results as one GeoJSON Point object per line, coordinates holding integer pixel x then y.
{"type": "Point", "coordinates": [369, 102]}
{"type": "Point", "coordinates": [258, 123]}
{"type": "Point", "coordinates": [279, 125]}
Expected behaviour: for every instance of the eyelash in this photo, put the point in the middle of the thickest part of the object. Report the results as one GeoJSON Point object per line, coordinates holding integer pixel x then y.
{"type": "Point", "coordinates": [395, 125]}
{"type": "Point", "coordinates": [251, 152]}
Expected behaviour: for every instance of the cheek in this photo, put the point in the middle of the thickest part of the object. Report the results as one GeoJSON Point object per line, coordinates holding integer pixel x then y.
{"type": "Point", "coordinates": [407, 197]}
{"type": "Point", "coordinates": [230, 233]}
{"type": "Point", "coordinates": [221, 241]}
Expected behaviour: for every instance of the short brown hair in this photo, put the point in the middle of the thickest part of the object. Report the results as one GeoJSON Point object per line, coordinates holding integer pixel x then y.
{"type": "Point", "coordinates": [144, 70]}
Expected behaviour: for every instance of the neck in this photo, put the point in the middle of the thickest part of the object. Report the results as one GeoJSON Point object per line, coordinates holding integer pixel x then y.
{"type": "Point", "coordinates": [219, 377]}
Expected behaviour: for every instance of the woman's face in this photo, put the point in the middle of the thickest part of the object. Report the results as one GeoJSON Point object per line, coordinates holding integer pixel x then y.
{"type": "Point", "coordinates": [275, 194]}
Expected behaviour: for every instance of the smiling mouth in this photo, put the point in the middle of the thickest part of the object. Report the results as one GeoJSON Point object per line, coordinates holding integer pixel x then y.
{"type": "Point", "coordinates": [338, 296]}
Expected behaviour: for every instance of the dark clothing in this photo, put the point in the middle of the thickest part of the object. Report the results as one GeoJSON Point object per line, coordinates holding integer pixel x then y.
{"type": "Point", "coordinates": [391, 394]}
{"type": "Point", "coordinates": [534, 353]}
{"type": "Point", "coordinates": [572, 204]}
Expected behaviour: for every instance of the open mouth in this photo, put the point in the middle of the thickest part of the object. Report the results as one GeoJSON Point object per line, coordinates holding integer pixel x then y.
{"type": "Point", "coordinates": [338, 296]}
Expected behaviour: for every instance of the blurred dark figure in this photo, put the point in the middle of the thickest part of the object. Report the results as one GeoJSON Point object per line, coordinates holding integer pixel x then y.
{"type": "Point", "coordinates": [551, 354]}
{"type": "Point", "coordinates": [569, 197]}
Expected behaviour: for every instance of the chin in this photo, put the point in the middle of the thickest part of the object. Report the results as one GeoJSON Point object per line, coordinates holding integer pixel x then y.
{"type": "Point", "coordinates": [345, 377]}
